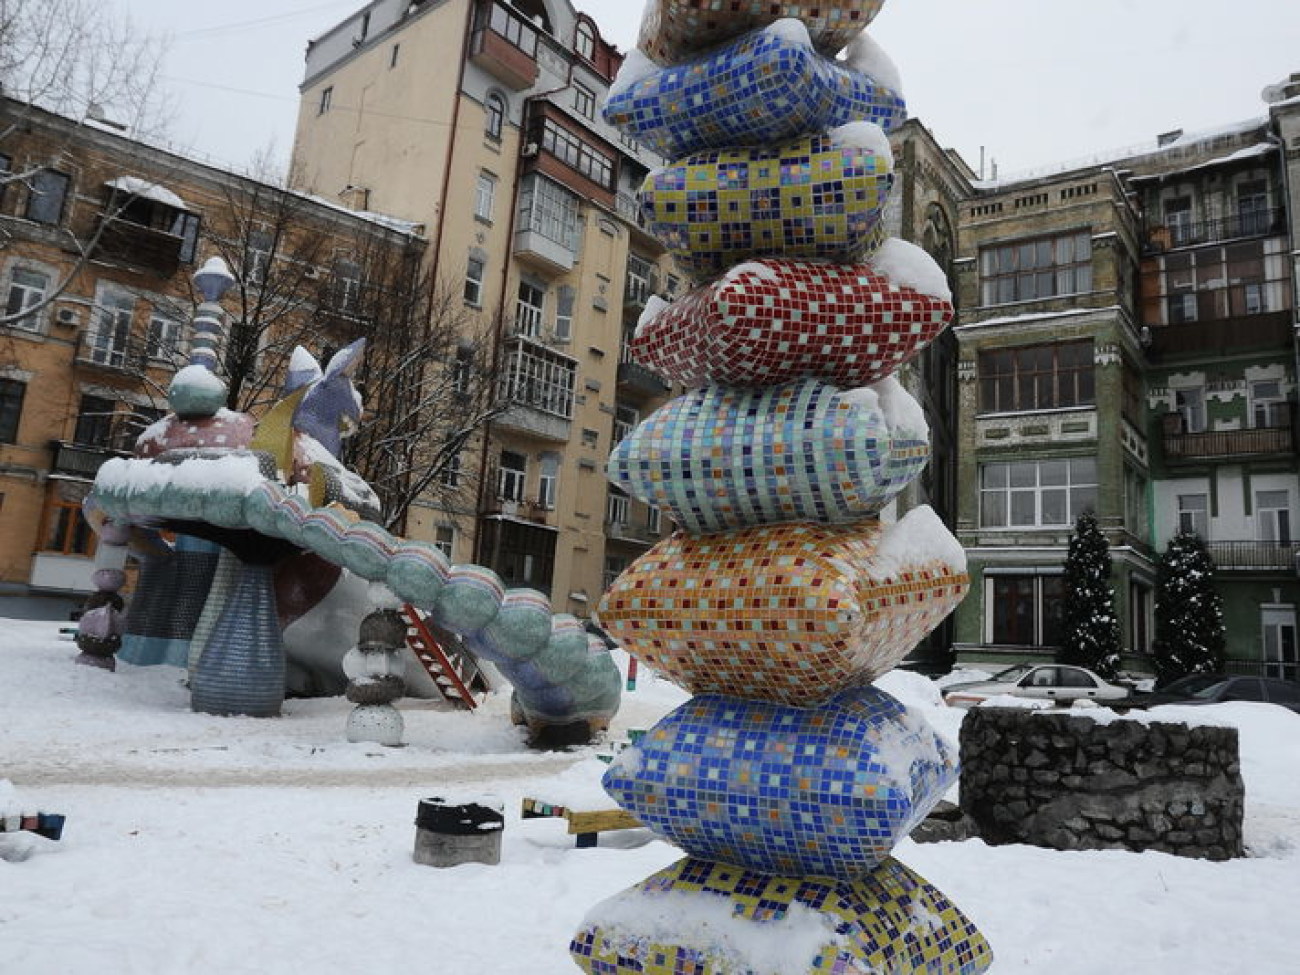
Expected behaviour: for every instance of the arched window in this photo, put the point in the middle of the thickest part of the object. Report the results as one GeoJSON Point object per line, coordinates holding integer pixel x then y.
{"type": "Point", "coordinates": [496, 116]}
{"type": "Point", "coordinates": [584, 41]}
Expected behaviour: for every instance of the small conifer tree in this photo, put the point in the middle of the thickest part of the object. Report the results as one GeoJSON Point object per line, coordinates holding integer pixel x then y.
{"type": "Point", "coordinates": [1189, 637]}
{"type": "Point", "coordinates": [1089, 626]}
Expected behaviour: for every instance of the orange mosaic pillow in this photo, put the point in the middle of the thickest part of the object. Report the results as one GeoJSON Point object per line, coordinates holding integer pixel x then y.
{"type": "Point", "coordinates": [672, 30]}
{"type": "Point", "coordinates": [787, 613]}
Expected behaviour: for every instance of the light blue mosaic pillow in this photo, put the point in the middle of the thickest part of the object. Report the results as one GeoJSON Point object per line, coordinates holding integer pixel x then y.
{"type": "Point", "coordinates": [768, 86]}
{"type": "Point", "coordinates": [823, 791]}
{"type": "Point", "coordinates": [724, 457]}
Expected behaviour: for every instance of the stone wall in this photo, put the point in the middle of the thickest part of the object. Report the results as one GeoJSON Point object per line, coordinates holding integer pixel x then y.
{"type": "Point", "coordinates": [1067, 782]}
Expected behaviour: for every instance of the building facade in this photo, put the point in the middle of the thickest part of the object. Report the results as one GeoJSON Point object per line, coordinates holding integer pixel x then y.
{"type": "Point", "coordinates": [102, 235]}
{"type": "Point", "coordinates": [480, 119]}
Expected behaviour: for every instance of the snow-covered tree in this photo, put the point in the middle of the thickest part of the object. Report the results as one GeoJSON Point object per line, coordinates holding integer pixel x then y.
{"type": "Point", "coordinates": [1089, 627]}
{"type": "Point", "coordinates": [1189, 637]}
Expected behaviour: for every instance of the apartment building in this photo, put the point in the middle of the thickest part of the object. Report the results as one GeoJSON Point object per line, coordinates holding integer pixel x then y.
{"type": "Point", "coordinates": [480, 119]}
{"type": "Point", "coordinates": [101, 236]}
{"type": "Point", "coordinates": [1127, 345]}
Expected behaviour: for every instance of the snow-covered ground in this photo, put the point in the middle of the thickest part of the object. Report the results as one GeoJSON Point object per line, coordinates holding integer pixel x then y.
{"type": "Point", "coordinates": [197, 844]}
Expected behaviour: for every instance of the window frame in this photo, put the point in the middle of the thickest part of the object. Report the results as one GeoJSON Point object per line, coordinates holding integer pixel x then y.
{"type": "Point", "coordinates": [485, 194]}
{"type": "Point", "coordinates": [13, 392]}
{"type": "Point", "coordinates": [1078, 495]}
{"type": "Point", "coordinates": [1044, 597]}
{"type": "Point", "coordinates": [36, 204]}
{"type": "Point", "coordinates": [512, 481]}
{"type": "Point", "coordinates": [1192, 513]}
{"type": "Point", "coordinates": [473, 292]}
{"type": "Point", "coordinates": [1036, 269]}
{"type": "Point", "coordinates": [36, 318]}
{"type": "Point", "coordinates": [495, 110]}
{"type": "Point", "coordinates": [1021, 388]}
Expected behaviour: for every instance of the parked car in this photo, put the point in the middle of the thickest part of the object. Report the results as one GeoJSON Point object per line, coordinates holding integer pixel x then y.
{"type": "Point", "coordinates": [1047, 682]}
{"type": "Point", "coordinates": [1217, 688]}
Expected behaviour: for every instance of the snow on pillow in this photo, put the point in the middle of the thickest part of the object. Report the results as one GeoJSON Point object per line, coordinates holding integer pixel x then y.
{"type": "Point", "coordinates": [772, 320]}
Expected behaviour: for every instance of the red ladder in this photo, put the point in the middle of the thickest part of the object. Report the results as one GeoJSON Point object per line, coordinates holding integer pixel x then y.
{"type": "Point", "coordinates": [429, 652]}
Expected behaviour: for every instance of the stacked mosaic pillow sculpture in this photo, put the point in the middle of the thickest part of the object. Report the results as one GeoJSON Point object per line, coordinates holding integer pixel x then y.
{"type": "Point", "coordinates": [788, 779]}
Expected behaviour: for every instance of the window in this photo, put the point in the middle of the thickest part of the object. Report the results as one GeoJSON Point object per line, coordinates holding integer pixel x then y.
{"type": "Point", "coordinates": [347, 286]}
{"type": "Point", "coordinates": [1178, 219]}
{"type": "Point", "coordinates": [1135, 502]}
{"type": "Point", "coordinates": [48, 193]}
{"type": "Point", "coordinates": [513, 28]}
{"type": "Point", "coordinates": [95, 421]}
{"type": "Point", "coordinates": [164, 336]}
{"type": "Point", "coordinates": [1268, 405]}
{"type": "Point", "coordinates": [186, 227]}
{"type": "Point", "coordinates": [112, 331]}
{"type": "Point", "coordinates": [485, 196]}
{"type": "Point", "coordinates": [617, 507]}
{"type": "Point", "coordinates": [548, 481]}
{"type": "Point", "coordinates": [565, 296]}
{"type": "Point", "coordinates": [27, 289]}
{"type": "Point", "coordinates": [66, 531]}
{"type": "Point", "coordinates": [1252, 207]}
{"type": "Point", "coordinates": [392, 56]}
{"type": "Point", "coordinates": [444, 539]}
{"type": "Point", "coordinates": [577, 154]}
{"type": "Point", "coordinates": [548, 209]}
{"type": "Point", "coordinates": [1189, 403]}
{"type": "Point", "coordinates": [475, 269]}
{"type": "Point", "coordinates": [615, 566]}
{"type": "Point", "coordinates": [1042, 268]}
{"type": "Point", "coordinates": [1024, 610]}
{"type": "Point", "coordinates": [1194, 514]}
{"type": "Point", "coordinates": [11, 408]}
{"type": "Point", "coordinates": [638, 285]}
{"type": "Point", "coordinates": [449, 476]}
{"type": "Point", "coordinates": [529, 308]}
{"type": "Point", "coordinates": [584, 41]}
{"type": "Point", "coordinates": [584, 100]}
{"type": "Point", "coordinates": [1037, 494]}
{"type": "Point", "coordinates": [1273, 516]}
{"type": "Point", "coordinates": [1279, 633]}
{"type": "Point", "coordinates": [539, 378]}
{"type": "Point", "coordinates": [462, 379]}
{"type": "Point", "coordinates": [326, 97]}
{"type": "Point", "coordinates": [653, 520]}
{"type": "Point", "coordinates": [1139, 617]}
{"type": "Point", "coordinates": [625, 420]}
{"type": "Point", "coordinates": [1040, 377]}
{"type": "Point", "coordinates": [496, 117]}
{"type": "Point", "coordinates": [261, 244]}
{"type": "Point", "coordinates": [512, 476]}
{"type": "Point", "coordinates": [1224, 281]}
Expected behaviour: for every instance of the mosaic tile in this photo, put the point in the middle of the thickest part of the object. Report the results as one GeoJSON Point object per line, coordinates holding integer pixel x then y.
{"type": "Point", "coordinates": [889, 922]}
{"type": "Point", "coordinates": [720, 457]}
{"type": "Point", "coordinates": [790, 613]}
{"type": "Point", "coordinates": [818, 197]}
{"type": "Point", "coordinates": [761, 89]}
{"type": "Point", "coordinates": [672, 30]}
{"type": "Point", "coordinates": [770, 321]}
{"type": "Point", "coordinates": [781, 789]}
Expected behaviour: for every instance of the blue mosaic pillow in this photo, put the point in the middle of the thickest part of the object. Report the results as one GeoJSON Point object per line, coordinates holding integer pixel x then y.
{"type": "Point", "coordinates": [819, 197]}
{"type": "Point", "coordinates": [723, 457]}
{"type": "Point", "coordinates": [795, 791]}
{"type": "Point", "coordinates": [764, 88]}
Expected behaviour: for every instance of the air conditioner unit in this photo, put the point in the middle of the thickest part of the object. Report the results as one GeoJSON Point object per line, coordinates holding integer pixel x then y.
{"type": "Point", "coordinates": [67, 317]}
{"type": "Point", "coordinates": [530, 150]}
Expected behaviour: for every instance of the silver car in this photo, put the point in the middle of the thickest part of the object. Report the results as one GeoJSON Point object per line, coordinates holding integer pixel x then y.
{"type": "Point", "coordinates": [1047, 682]}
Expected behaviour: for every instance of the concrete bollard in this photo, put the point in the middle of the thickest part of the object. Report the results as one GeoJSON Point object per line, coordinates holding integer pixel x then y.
{"type": "Point", "coordinates": [449, 835]}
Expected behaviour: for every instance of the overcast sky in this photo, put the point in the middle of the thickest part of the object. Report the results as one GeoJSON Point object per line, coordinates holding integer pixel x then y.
{"type": "Point", "coordinates": [1033, 82]}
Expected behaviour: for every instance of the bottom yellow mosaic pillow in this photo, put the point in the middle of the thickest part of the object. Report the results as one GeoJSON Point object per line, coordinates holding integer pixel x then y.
{"type": "Point", "coordinates": [787, 613]}
{"type": "Point", "coordinates": [713, 919]}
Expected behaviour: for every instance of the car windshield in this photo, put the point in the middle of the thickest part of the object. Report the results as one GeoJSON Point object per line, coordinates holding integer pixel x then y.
{"type": "Point", "coordinates": [1011, 674]}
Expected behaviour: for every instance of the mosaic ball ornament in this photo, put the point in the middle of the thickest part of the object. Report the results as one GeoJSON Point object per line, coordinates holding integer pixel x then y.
{"type": "Point", "coordinates": [817, 197]}
{"type": "Point", "coordinates": [711, 918]}
{"type": "Point", "coordinates": [771, 321]}
{"type": "Point", "coordinates": [766, 87]}
{"type": "Point", "coordinates": [787, 613]}
{"type": "Point", "coordinates": [720, 457]}
{"type": "Point", "coordinates": [673, 30]}
{"type": "Point", "coordinates": [786, 790]}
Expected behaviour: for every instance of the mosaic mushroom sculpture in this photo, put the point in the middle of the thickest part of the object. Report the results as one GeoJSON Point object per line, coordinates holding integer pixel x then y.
{"type": "Point", "coordinates": [788, 778]}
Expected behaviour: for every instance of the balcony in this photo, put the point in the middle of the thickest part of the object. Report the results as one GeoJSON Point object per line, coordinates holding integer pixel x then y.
{"type": "Point", "coordinates": [1252, 223]}
{"type": "Point", "coordinates": [1218, 338]}
{"type": "Point", "coordinates": [531, 511]}
{"type": "Point", "coordinates": [1254, 556]}
{"type": "Point", "coordinates": [505, 45]}
{"type": "Point", "coordinates": [1222, 444]}
{"type": "Point", "coordinates": [138, 245]}
{"type": "Point", "coordinates": [635, 532]}
{"type": "Point", "coordinates": [79, 460]}
{"type": "Point", "coordinates": [542, 253]}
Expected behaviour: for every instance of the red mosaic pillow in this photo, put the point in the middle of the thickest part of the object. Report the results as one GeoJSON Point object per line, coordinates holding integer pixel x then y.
{"type": "Point", "coordinates": [771, 321]}
{"type": "Point", "coordinates": [786, 613]}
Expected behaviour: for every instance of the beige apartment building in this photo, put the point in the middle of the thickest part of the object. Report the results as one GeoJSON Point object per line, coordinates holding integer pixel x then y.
{"type": "Point", "coordinates": [480, 119]}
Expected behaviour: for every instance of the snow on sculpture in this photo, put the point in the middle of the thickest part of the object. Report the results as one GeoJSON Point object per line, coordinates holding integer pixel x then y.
{"type": "Point", "coordinates": [788, 779]}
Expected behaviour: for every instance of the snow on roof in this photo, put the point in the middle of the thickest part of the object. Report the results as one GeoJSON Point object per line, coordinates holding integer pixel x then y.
{"type": "Point", "coordinates": [1249, 152]}
{"type": "Point", "coordinates": [135, 186]}
{"type": "Point", "coordinates": [1035, 316]}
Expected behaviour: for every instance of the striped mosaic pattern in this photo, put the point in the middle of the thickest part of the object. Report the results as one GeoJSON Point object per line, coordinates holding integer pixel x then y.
{"type": "Point", "coordinates": [890, 920]}
{"type": "Point", "coordinates": [816, 197]}
{"type": "Point", "coordinates": [774, 320]}
{"type": "Point", "coordinates": [788, 613]}
{"type": "Point", "coordinates": [785, 790]}
{"type": "Point", "coordinates": [719, 458]}
{"type": "Point", "coordinates": [761, 89]}
{"type": "Point", "coordinates": [673, 30]}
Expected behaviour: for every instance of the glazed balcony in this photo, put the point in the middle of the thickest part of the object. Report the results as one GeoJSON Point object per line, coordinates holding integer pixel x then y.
{"type": "Point", "coordinates": [1236, 226]}
{"type": "Point", "coordinates": [505, 45]}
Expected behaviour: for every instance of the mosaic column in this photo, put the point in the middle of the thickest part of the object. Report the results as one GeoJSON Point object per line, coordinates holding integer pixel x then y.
{"type": "Point", "coordinates": [787, 778]}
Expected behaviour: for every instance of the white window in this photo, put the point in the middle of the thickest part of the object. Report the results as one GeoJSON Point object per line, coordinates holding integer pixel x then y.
{"type": "Point", "coordinates": [164, 336]}
{"type": "Point", "coordinates": [1273, 516]}
{"type": "Point", "coordinates": [462, 378]}
{"type": "Point", "coordinates": [1178, 218]}
{"type": "Point", "coordinates": [495, 117]}
{"type": "Point", "coordinates": [444, 539]}
{"type": "Point", "coordinates": [617, 507]}
{"type": "Point", "coordinates": [548, 481]}
{"type": "Point", "coordinates": [653, 520]}
{"type": "Point", "coordinates": [485, 195]}
{"type": "Point", "coordinates": [27, 288]}
{"type": "Point", "coordinates": [584, 40]}
{"type": "Point", "coordinates": [1194, 514]}
{"type": "Point", "coordinates": [1279, 633]}
{"type": "Point", "coordinates": [1037, 494]}
{"type": "Point", "coordinates": [512, 476]}
{"type": "Point", "coordinates": [625, 420]}
{"type": "Point", "coordinates": [475, 269]}
{"type": "Point", "coordinates": [1267, 404]}
{"type": "Point", "coordinates": [112, 331]}
{"type": "Point", "coordinates": [529, 309]}
{"type": "Point", "coordinates": [1190, 405]}
{"type": "Point", "coordinates": [551, 211]}
{"type": "Point", "coordinates": [638, 285]}
{"type": "Point", "coordinates": [260, 245]}
{"type": "Point", "coordinates": [565, 296]}
{"type": "Point", "coordinates": [347, 286]}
